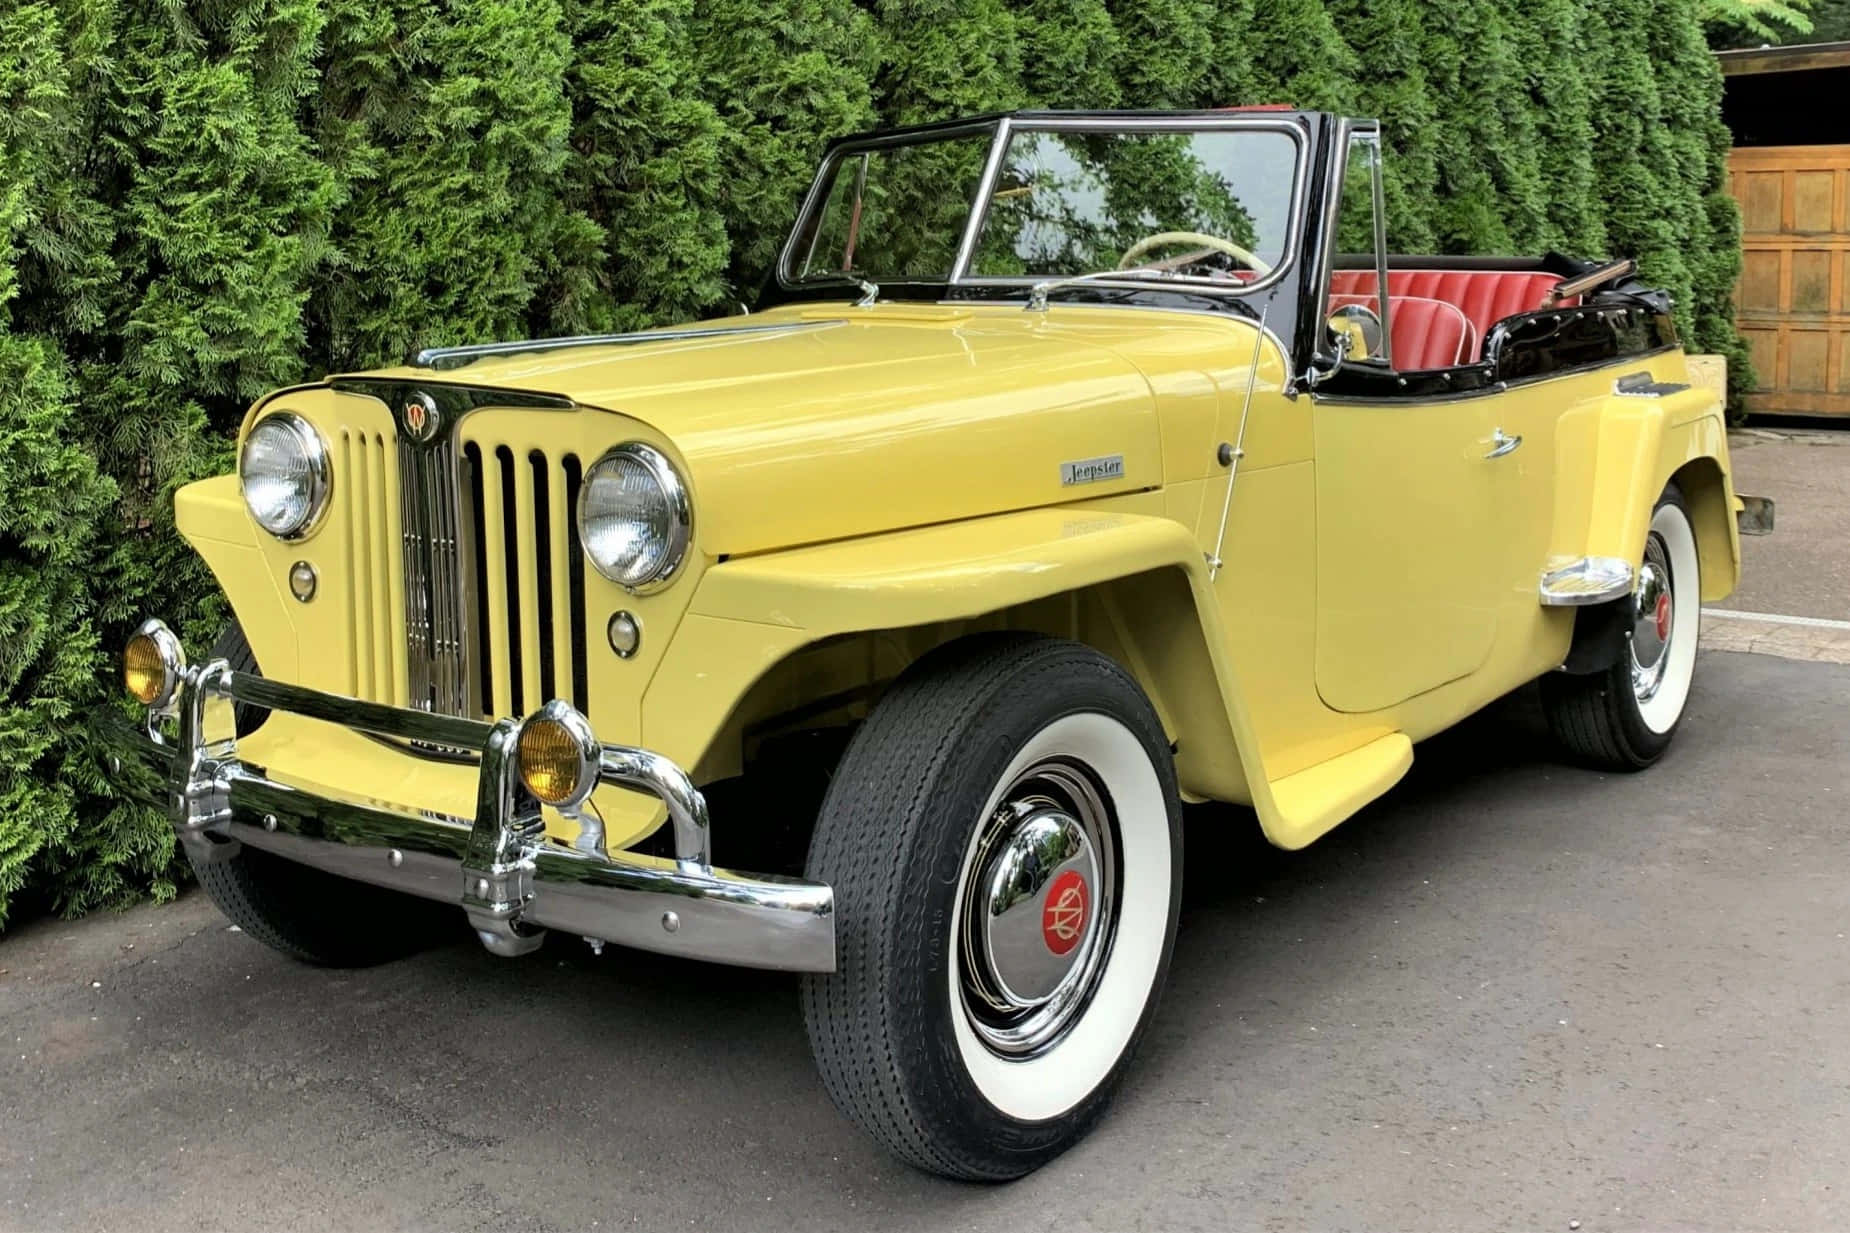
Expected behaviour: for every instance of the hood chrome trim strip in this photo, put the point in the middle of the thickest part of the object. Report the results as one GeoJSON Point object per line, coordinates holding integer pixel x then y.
{"type": "Point", "coordinates": [442, 359]}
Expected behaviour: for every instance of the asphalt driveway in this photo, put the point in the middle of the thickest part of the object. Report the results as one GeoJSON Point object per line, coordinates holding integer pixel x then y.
{"type": "Point", "coordinates": [1511, 995]}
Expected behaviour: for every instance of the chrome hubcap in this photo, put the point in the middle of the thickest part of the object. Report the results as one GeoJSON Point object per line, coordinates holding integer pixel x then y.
{"type": "Point", "coordinates": [1039, 909]}
{"type": "Point", "coordinates": [1653, 620]}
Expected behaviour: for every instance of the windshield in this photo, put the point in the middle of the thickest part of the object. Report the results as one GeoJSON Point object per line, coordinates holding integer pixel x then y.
{"type": "Point", "coordinates": [897, 212]}
{"type": "Point", "coordinates": [1207, 205]}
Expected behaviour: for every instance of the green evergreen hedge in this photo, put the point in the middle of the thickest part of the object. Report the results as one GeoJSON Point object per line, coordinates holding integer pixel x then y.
{"type": "Point", "coordinates": [200, 202]}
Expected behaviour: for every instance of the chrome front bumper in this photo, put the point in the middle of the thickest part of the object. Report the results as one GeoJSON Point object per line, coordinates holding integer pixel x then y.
{"type": "Point", "coordinates": [512, 881]}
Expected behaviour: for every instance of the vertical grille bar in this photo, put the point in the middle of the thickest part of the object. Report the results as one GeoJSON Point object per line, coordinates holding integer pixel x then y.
{"type": "Point", "coordinates": [355, 614]}
{"type": "Point", "coordinates": [494, 592]}
{"type": "Point", "coordinates": [513, 552]}
{"type": "Point", "coordinates": [559, 540]}
{"type": "Point", "coordinates": [393, 503]}
{"type": "Point", "coordinates": [442, 582]}
{"type": "Point", "coordinates": [531, 691]}
{"type": "Point", "coordinates": [388, 605]}
{"type": "Point", "coordinates": [360, 530]}
{"type": "Point", "coordinates": [575, 559]}
{"type": "Point", "coordinates": [417, 572]}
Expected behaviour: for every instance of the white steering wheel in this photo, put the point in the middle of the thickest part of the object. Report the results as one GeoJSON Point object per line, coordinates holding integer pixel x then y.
{"type": "Point", "coordinates": [1163, 239]}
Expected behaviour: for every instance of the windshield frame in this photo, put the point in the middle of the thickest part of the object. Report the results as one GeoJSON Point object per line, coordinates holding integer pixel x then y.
{"type": "Point", "coordinates": [999, 129]}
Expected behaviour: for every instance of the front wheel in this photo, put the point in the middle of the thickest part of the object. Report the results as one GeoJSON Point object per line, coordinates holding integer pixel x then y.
{"type": "Point", "coordinates": [1004, 840]}
{"type": "Point", "coordinates": [1622, 719]}
{"type": "Point", "coordinates": [305, 913]}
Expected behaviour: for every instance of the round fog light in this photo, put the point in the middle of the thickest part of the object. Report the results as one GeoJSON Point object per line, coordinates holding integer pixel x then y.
{"type": "Point", "coordinates": [625, 634]}
{"type": "Point", "coordinates": [302, 581]}
{"type": "Point", "coordinates": [151, 665]}
{"type": "Point", "coordinates": [558, 756]}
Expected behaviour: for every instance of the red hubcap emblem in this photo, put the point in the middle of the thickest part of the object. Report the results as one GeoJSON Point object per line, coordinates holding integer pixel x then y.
{"type": "Point", "coordinates": [1663, 618]}
{"type": "Point", "coordinates": [1063, 912]}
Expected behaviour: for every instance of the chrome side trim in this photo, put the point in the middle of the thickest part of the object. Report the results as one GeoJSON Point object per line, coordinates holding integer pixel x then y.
{"type": "Point", "coordinates": [444, 359]}
{"type": "Point", "coordinates": [1576, 582]}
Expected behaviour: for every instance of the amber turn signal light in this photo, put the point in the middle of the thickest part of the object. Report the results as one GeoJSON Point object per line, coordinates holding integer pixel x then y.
{"type": "Point", "coordinates": [151, 665]}
{"type": "Point", "coordinates": [558, 756]}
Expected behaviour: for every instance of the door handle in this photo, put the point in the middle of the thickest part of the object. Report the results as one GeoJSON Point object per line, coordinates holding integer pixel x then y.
{"type": "Point", "coordinates": [1502, 443]}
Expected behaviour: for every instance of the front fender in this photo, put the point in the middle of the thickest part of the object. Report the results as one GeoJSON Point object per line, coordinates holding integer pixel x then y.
{"type": "Point", "coordinates": [943, 573]}
{"type": "Point", "coordinates": [1135, 585]}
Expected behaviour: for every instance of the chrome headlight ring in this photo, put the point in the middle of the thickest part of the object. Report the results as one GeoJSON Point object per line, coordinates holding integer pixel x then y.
{"type": "Point", "coordinates": [648, 541]}
{"type": "Point", "coordinates": [297, 514]}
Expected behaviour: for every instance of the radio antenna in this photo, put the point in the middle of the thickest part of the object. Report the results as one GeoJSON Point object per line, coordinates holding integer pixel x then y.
{"type": "Point", "coordinates": [1232, 456]}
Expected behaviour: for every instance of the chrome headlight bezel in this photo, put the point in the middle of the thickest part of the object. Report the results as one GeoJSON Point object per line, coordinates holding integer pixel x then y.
{"type": "Point", "coordinates": [675, 503]}
{"type": "Point", "coordinates": [320, 474]}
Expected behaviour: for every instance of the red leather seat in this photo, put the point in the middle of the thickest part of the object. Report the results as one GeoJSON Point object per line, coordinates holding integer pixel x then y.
{"type": "Point", "coordinates": [1422, 333]}
{"type": "Point", "coordinates": [1485, 297]}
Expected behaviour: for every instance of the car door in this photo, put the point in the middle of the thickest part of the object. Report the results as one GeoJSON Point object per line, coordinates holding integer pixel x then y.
{"type": "Point", "coordinates": [1408, 562]}
{"type": "Point", "coordinates": [1408, 579]}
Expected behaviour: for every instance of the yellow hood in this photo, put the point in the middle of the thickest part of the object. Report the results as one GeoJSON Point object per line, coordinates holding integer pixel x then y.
{"type": "Point", "coordinates": [854, 421]}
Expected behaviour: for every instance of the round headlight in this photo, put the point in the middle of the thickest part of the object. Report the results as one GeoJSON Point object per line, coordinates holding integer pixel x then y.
{"type": "Point", "coordinates": [284, 474]}
{"type": "Point", "coordinates": [633, 517]}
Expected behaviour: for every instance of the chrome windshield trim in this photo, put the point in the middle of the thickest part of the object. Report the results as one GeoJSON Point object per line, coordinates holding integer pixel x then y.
{"type": "Point", "coordinates": [979, 204]}
{"type": "Point", "coordinates": [1000, 128]}
{"type": "Point", "coordinates": [786, 275]}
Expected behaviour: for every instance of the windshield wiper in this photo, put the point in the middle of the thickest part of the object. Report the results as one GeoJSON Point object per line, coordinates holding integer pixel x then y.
{"type": "Point", "coordinates": [1037, 295]}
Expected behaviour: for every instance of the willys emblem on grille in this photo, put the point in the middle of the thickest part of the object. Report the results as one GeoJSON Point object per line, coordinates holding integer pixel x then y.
{"type": "Point", "coordinates": [420, 417]}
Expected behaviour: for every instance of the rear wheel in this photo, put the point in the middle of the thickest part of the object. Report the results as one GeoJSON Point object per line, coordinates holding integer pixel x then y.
{"type": "Point", "coordinates": [304, 913]}
{"type": "Point", "coordinates": [1004, 841]}
{"type": "Point", "coordinates": [1622, 718]}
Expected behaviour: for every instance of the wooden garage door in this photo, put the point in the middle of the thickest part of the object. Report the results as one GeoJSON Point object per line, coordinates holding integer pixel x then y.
{"type": "Point", "coordinates": [1793, 304]}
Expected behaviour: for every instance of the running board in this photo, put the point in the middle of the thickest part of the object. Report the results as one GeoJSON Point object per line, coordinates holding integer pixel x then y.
{"type": "Point", "coordinates": [1313, 800]}
{"type": "Point", "coordinates": [1576, 582]}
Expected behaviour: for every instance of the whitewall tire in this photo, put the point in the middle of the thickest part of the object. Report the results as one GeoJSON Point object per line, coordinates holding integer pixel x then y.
{"type": "Point", "coordinates": [1622, 718]}
{"type": "Point", "coordinates": [1004, 841]}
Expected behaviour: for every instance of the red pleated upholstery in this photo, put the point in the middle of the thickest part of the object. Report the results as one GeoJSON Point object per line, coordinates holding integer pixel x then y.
{"type": "Point", "coordinates": [1485, 297]}
{"type": "Point", "coordinates": [1423, 333]}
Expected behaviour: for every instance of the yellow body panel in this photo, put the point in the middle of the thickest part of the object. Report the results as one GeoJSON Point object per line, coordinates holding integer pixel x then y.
{"type": "Point", "coordinates": [871, 482]}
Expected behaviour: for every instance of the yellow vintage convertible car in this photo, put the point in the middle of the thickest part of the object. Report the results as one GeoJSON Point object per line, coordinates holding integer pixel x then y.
{"type": "Point", "coordinates": [1073, 466]}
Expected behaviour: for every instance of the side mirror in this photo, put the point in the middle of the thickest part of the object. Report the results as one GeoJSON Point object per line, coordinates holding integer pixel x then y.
{"type": "Point", "coordinates": [1361, 326]}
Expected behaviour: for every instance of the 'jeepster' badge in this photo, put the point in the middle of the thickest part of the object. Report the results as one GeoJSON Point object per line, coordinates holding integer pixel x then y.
{"type": "Point", "coordinates": [420, 417]}
{"type": "Point", "coordinates": [1092, 470]}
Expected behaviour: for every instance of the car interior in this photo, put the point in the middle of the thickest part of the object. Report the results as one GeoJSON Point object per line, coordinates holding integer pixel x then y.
{"type": "Point", "coordinates": [1440, 317]}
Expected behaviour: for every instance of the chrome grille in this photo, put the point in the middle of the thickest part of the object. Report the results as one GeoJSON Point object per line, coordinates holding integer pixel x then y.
{"type": "Point", "coordinates": [483, 612]}
{"type": "Point", "coordinates": [437, 668]}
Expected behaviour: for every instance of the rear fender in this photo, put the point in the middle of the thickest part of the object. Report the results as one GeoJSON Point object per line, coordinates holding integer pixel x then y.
{"type": "Point", "coordinates": [1632, 447]}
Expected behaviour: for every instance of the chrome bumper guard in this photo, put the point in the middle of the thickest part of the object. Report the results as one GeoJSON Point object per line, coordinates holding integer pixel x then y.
{"type": "Point", "coordinates": [512, 881]}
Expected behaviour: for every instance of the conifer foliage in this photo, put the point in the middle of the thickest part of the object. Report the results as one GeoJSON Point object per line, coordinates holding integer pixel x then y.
{"type": "Point", "coordinates": [200, 202]}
